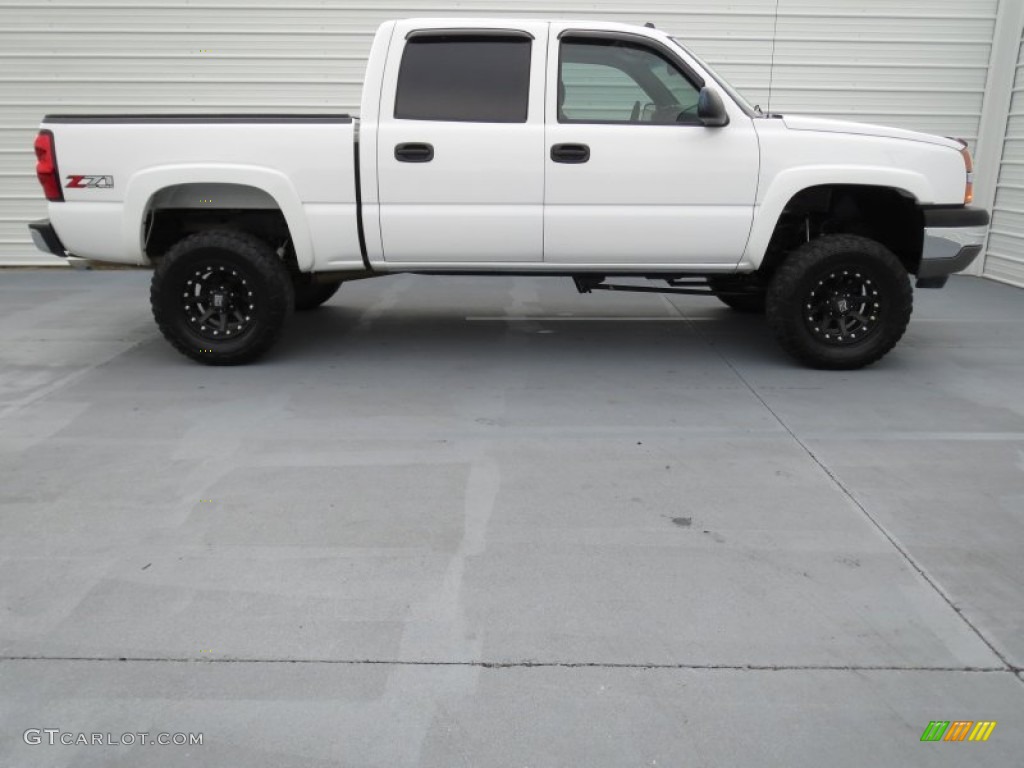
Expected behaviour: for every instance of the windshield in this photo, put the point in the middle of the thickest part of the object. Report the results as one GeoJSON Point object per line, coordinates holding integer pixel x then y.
{"type": "Point", "coordinates": [723, 84]}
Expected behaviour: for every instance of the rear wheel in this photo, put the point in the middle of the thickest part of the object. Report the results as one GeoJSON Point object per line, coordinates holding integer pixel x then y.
{"type": "Point", "coordinates": [310, 295]}
{"type": "Point", "coordinates": [840, 302]}
{"type": "Point", "coordinates": [221, 297]}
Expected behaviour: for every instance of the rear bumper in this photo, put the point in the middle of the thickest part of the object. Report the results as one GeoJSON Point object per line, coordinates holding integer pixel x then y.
{"type": "Point", "coordinates": [953, 238]}
{"type": "Point", "coordinates": [45, 238]}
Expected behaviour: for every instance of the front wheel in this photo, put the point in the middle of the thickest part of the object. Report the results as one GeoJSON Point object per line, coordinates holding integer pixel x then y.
{"type": "Point", "coordinates": [743, 293]}
{"type": "Point", "coordinates": [221, 297]}
{"type": "Point", "coordinates": [839, 302]}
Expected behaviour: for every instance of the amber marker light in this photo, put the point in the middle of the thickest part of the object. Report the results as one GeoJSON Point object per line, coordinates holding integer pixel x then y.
{"type": "Point", "coordinates": [969, 165]}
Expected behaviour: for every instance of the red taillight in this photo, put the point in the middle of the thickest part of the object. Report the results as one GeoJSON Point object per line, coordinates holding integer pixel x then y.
{"type": "Point", "coordinates": [46, 167]}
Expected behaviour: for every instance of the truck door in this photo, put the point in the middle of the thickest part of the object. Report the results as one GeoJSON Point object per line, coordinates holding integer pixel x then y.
{"type": "Point", "coordinates": [632, 176]}
{"type": "Point", "coordinates": [460, 145]}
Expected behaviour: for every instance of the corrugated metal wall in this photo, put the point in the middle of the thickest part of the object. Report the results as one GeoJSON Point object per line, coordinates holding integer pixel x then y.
{"type": "Point", "coordinates": [1005, 259]}
{"type": "Point", "coordinates": [918, 64]}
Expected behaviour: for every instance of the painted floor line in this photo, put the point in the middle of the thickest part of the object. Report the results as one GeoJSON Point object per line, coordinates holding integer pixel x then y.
{"type": "Point", "coordinates": [576, 319]}
{"type": "Point", "coordinates": [682, 319]}
{"type": "Point", "coordinates": [531, 664]}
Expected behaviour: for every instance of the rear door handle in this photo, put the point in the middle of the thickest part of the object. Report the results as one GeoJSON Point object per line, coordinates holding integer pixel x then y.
{"type": "Point", "coordinates": [415, 152]}
{"type": "Point", "coordinates": [573, 154]}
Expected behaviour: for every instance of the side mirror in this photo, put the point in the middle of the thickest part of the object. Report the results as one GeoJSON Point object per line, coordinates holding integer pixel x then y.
{"type": "Point", "coordinates": [711, 110]}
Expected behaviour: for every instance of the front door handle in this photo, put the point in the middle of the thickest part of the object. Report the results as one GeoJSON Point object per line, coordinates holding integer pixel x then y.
{"type": "Point", "coordinates": [573, 154]}
{"type": "Point", "coordinates": [415, 152]}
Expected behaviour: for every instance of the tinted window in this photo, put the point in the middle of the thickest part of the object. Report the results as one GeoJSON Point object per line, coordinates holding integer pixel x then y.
{"type": "Point", "coordinates": [464, 79]}
{"type": "Point", "coordinates": [603, 81]}
{"type": "Point", "coordinates": [599, 93]}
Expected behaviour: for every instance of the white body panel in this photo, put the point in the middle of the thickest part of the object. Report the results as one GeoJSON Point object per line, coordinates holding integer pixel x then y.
{"type": "Point", "coordinates": [652, 198]}
{"type": "Point", "coordinates": [659, 194]}
{"type": "Point", "coordinates": [828, 125]}
{"type": "Point", "coordinates": [306, 168]}
{"type": "Point", "coordinates": [927, 65]}
{"type": "Point", "coordinates": [481, 199]}
{"type": "Point", "coordinates": [932, 172]}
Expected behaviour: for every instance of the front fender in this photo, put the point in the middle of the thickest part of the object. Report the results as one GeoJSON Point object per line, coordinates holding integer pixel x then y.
{"type": "Point", "coordinates": [787, 184]}
{"type": "Point", "coordinates": [144, 185]}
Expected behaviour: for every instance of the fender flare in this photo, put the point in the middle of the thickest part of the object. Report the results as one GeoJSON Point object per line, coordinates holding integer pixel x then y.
{"type": "Point", "coordinates": [146, 184]}
{"type": "Point", "coordinates": [789, 183]}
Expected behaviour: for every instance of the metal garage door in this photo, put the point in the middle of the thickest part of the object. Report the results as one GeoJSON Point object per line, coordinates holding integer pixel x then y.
{"type": "Point", "coordinates": [1005, 259]}
{"type": "Point", "coordinates": [918, 64]}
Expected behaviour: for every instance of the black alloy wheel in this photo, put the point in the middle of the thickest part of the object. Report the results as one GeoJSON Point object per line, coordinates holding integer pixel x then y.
{"type": "Point", "coordinates": [839, 302]}
{"type": "Point", "coordinates": [844, 307]}
{"type": "Point", "coordinates": [221, 297]}
{"type": "Point", "coordinates": [218, 302]}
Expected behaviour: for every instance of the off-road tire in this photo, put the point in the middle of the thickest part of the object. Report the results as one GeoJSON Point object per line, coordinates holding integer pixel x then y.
{"type": "Point", "coordinates": [310, 295]}
{"type": "Point", "coordinates": [234, 275]}
{"type": "Point", "coordinates": [739, 292]}
{"type": "Point", "coordinates": [830, 282]}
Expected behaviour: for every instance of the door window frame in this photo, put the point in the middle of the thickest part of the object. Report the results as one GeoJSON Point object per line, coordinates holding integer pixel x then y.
{"type": "Point", "coordinates": [453, 35]}
{"type": "Point", "coordinates": [604, 36]}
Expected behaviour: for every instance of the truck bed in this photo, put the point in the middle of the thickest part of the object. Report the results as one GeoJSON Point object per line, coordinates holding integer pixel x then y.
{"type": "Point", "coordinates": [305, 162]}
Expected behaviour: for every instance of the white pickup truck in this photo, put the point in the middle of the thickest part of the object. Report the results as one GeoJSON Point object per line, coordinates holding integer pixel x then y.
{"type": "Point", "coordinates": [577, 149]}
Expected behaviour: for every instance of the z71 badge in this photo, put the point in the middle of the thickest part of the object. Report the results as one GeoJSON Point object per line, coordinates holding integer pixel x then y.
{"type": "Point", "coordinates": [90, 182]}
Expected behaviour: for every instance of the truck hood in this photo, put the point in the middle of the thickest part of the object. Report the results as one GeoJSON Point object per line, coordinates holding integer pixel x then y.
{"type": "Point", "coordinates": [807, 123]}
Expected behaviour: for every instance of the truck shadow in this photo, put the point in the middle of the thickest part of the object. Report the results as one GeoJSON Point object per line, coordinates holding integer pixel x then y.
{"type": "Point", "coordinates": [447, 337]}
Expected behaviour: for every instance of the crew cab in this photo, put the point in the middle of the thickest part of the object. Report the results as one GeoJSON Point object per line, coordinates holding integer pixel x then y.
{"type": "Point", "coordinates": [587, 150]}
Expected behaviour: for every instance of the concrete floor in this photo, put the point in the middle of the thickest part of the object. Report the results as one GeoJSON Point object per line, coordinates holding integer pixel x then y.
{"type": "Point", "coordinates": [489, 522]}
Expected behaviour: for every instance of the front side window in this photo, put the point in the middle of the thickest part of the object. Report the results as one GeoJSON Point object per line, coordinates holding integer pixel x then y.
{"type": "Point", "coordinates": [464, 78]}
{"type": "Point", "coordinates": [613, 81]}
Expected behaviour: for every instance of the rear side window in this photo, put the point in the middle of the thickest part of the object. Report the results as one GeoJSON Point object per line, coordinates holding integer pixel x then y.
{"type": "Point", "coordinates": [464, 78]}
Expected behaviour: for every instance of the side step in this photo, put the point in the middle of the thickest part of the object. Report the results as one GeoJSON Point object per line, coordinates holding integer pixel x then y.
{"type": "Point", "coordinates": [688, 287]}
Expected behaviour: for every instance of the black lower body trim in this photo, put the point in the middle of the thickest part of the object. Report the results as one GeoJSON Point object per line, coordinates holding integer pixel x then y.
{"type": "Point", "coordinates": [933, 273]}
{"type": "Point", "coordinates": [954, 216]}
{"type": "Point", "coordinates": [940, 267]}
{"type": "Point", "coordinates": [46, 239]}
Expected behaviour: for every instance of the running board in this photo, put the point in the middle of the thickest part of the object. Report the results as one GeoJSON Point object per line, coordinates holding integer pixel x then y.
{"type": "Point", "coordinates": [587, 284]}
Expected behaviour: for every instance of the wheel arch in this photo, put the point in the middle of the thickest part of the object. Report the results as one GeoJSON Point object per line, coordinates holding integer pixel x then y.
{"type": "Point", "coordinates": [243, 194]}
{"type": "Point", "coordinates": [888, 214]}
